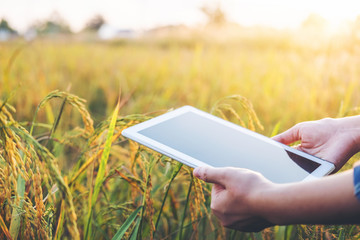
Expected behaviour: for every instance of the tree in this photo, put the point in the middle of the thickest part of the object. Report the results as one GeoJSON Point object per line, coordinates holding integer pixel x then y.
{"type": "Point", "coordinates": [215, 15]}
{"type": "Point", "coordinates": [54, 25]}
{"type": "Point", "coordinates": [314, 22]}
{"type": "Point", "coordinates": [95, 23]}
{"type": "Point", "coordinates": [4, 26]}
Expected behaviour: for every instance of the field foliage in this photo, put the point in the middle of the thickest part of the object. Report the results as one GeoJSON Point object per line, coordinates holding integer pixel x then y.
{"type": "Point", "coordinates": [67, 173]}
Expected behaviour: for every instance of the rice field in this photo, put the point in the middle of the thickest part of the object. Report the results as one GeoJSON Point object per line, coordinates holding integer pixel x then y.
{"type": "Point", "coordinates": [67, 173]}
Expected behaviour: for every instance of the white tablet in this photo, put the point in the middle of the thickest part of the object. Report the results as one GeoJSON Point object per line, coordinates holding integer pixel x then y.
{"type": "Point", "coordinates": [197, 138]}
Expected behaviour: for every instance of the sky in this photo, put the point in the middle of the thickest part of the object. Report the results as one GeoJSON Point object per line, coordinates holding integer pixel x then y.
{"type": "Point", "coordinates": [145, 14]}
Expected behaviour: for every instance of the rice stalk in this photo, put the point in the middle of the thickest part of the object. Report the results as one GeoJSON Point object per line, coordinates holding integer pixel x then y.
{"type": "Point", "coordinates": [56, 121]}
{"type": "Point", "coordinates": [101, 172]}
{"type": "Point", "coordinates": [134, 233]}
{"type": "Point", "coordinates": [253, 120]}
{"type": "Point", "coordinates": [122, 230]}
{"type": "Point", "coordinates": [93, 157]}
{"type": "Point", "coordinates": [185, 208]}
{"type": "Point", "coordinates": [76, 102]}
{"type": "Point", "coordinates": [175, 172]}
{"type": "Point", "coordinates": [16, 214]}
{"type": "Point", "coordinates": [134, 182]}
{"type": "Point", "coordinates": [147, 202]}
{"type": "Point", "coordinates": [5, 229]}
{"type": "Point", "coordinates": [150, 206]}
{"type": "Point", "coordinates": [48, 158]}
{"type": "Point", "coordinates": [94, 148]}
{"type": "Point", "coordinates": [39, 205]}
{"type": "Point", "coordinates": [29, 218]}
{"type": "Point", "coordinates": [60, 225]}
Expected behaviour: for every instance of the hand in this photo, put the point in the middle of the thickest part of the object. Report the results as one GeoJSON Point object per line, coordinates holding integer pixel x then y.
{"type": "Point", "coordinates": [334, 140]}
{"type": "Point", "coordinates": [235, 195]}
{"type": "Point", "coordinates": [246, 201]}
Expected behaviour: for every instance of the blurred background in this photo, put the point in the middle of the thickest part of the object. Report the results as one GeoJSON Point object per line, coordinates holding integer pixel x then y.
{"type": "Point", "coordinates": [294, 60]}
{"type": "Point", "coordinates": [289, 61]}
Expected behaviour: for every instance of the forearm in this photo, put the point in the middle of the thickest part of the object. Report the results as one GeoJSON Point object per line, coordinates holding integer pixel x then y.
{"type": "Point", "coordinates": [329, 200]}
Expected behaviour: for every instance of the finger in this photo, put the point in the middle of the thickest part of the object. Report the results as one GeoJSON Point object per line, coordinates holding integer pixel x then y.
{"type": "Point", "coordinates": [289, 136]}
{"type": "Point", "coordinates": [211, 175]}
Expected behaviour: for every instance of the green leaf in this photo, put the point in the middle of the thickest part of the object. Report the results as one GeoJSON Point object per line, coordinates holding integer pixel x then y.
{"type": "Point", "coordinates": [101, 172]}
{"type": "Point", "coordinates": [174, 174]}
{"type": "Point", "coordinates": [185, 208]}
{"type": "Point", "coordinates": [275, 131]}
{"type": "Point", "coordinates": [16, 213]}
{"type": "Point", "coordinates": [122, 230]}
{"type": "Point", "coordinates": [136, 230]}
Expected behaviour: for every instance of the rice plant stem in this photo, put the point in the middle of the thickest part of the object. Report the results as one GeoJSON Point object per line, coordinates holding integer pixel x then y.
{"type": "Point", "coordinates": [16, 215]}
{"type": "Point", "coordinates": [101, 172]}
{"type": "Point", "coordinates": [55, 172]}
{"type": "Point", "coordinates": [185, 208]}
{"type": "Point", "coordinates": [175, 173]}
{"type": "Point", "coordinates": [135, 231]}
{"type": "Point", "coordinates": [144, 198]}
{"type": "Point", "coordinates": [122, 230]}
{"type": "Point", "coordinates": [4, 228]}
{"type": "Point", "coordinates": [57, 120]}
{"type": "Point", "coordinates": [59, 227]}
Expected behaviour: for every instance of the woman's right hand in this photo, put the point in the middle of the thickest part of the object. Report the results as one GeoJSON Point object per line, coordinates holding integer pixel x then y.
{"type": "Point", "coordinates": [334, 140]}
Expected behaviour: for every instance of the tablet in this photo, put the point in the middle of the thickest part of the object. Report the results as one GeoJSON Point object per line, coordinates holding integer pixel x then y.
{"type": "Point", "coordinates": [197, 138]}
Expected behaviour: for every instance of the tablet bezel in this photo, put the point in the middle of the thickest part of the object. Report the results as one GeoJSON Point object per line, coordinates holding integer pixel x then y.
{"type": "Point", "coordinates": [132, 132]}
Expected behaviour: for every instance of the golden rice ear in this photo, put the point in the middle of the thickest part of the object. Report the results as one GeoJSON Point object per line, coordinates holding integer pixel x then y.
{"type": "Point", "coordinates": [221, 106]}
{"type": "Point", "coordinates": [75, 101]}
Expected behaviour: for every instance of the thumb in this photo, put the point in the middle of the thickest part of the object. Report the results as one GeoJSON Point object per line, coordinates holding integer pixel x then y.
{"type": "Point", "coordinates": [289, 136]}
{"type": "Point", "coordinates": [211, 175]}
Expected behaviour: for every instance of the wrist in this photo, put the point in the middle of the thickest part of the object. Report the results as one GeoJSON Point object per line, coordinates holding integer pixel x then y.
{"type": "Point", "coordinates": [350, 127]}
{"type": "Point", "coordinates": [267, 203]}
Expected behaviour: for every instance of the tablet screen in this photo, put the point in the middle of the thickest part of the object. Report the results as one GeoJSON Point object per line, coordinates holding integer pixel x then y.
{"type": "Point", "coordinates": [219, 145]}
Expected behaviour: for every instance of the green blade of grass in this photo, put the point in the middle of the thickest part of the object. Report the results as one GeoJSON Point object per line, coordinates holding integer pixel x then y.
{"type": "Point", "coordinates": [151, 163]}
{"type": "Point", "coordinates": [60, 225]}
{"type": "Point", "coordinates": [101, 172]}
{"type": "Point", "coordinates": [56, 121]}
{"type": "Point", "coordinates": [174, 174]}
{"type": "Point", "coordinates": [275, 130]}
{"type": "Point", "coordinates": [16, 213]}
{"type": "Point", "coordinates": [122, 230]}
{"type": "Point", "coordinates": [185, 208]}
{"type": "Point", "coordinates": [136, 230]}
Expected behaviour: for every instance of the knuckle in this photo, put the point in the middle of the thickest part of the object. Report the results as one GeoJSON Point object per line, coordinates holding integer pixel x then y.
{"type": "Point", "coordinates": [300, 125]}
